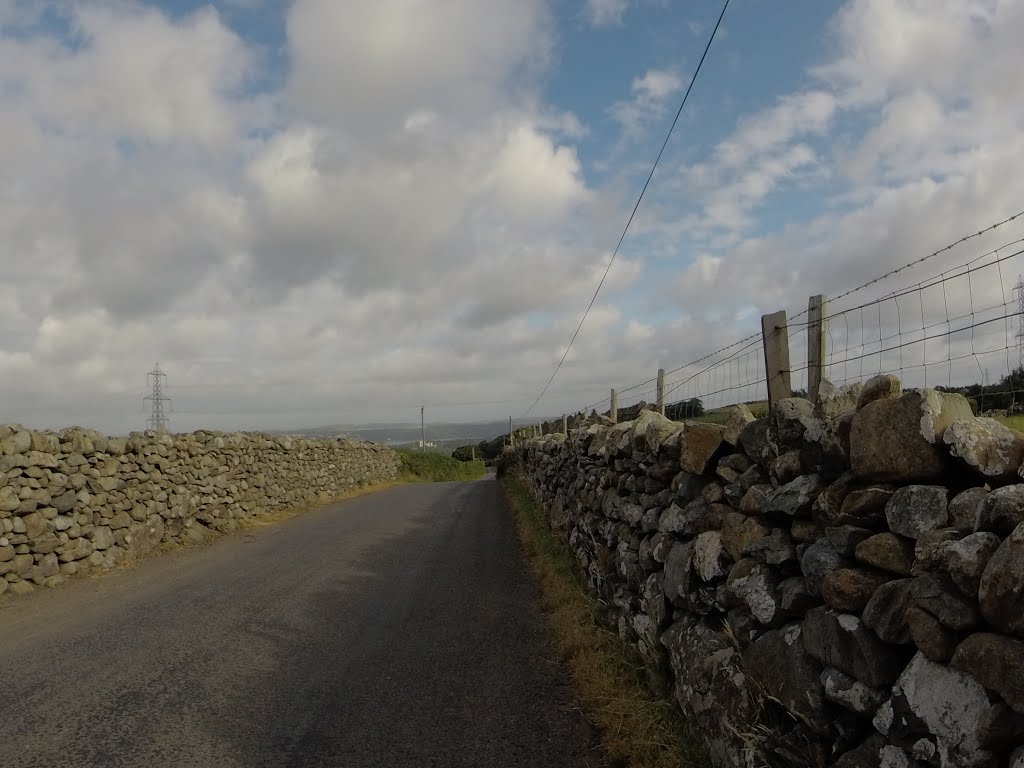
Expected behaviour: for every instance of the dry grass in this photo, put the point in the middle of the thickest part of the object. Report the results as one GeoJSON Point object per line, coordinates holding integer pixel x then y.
{"type": "Point", "coordinates": [638, 728]}
{"type": "Point", "coordinates": [1014, 422]}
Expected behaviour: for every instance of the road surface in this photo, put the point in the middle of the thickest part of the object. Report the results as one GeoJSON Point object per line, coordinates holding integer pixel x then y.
{"type": "Point", "coordinates": [397, 629]}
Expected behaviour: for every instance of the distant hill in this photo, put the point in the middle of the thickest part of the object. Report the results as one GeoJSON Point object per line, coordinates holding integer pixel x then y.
{"type": "Point", "coordinates": [449, 435]}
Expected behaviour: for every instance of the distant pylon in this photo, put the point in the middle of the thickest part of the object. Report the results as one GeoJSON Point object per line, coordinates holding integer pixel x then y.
{"type": "Point", "coordinates": [1019, 288]}
{"type": "Point", "coordinates": [157, 420]}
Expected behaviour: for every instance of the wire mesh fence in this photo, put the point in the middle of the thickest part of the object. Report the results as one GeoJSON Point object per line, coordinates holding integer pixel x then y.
{"type": "Point", "coordinates": [961, 329]}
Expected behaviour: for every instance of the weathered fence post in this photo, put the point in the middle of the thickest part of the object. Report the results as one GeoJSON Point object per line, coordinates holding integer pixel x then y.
{"type": "Point", "coordinates": [511, 434]}
{"type": "Point", "coordinates": [565, 424]}
{"type": "Point", "coordinates": [613, 411]}
{"type": "Point", "coordinates": [775, 335]}
{"type": "Point", "coordinates": [816, 347]}
{"type": "Point", "coordinates": [661, 391]}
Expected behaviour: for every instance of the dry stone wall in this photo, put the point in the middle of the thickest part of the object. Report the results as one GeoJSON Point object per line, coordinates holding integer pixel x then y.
{"type": "Point", "coordinates": [840, 584]}
{"type": "Point", "coordinates": [75, 501]}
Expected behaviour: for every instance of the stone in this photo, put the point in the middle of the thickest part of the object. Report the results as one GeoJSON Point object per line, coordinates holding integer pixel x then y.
{"type": "Point", "coordinates": [9, 499]}
{"type": "Point", "coordinates": [915, 509]}
{"type": "Point", "coordinates": [818, 560]}
{"type": "Point", "coordinates": [792, 597]}
{"type": "Point", "coordinates": [886, 611]}
{"type": "Point", "coordinates": [796, 497]}
{"type": "Point", "coordinates": [1001, 591]}
{"type": "Point", "coordinates": [754, 440]}
{"type": "Point", "coordinates": [882, 387]}
{"type": "Point", "coordinates": [850, 693]}
{"type": "Point", "coordinates": [710, 686]}
{"type": "Point", "coordinates": [786, 467]}
{"type": "Point", "coordinates": [965, 560]}
{"type": "Point", "coordinates": [739, 417]}
{"type": "Point", "coordinates": [887, 551]}
{"type": "Point", "coordinates": [935, 641]}
{"type": "Point", "coordinates": [939, 706]}
{"type": "Point", "coordinates": [698, 446]}
{"type": "Point", "coordinates": [1017, 758]}
{"type": "Point", "coordinates": [843, 641]}
{"type": "Point", "coordinates": [866, 755]}
{"type": "Point", "coordinates": [18, 442]}
{"type": "Point", "coordinates": [848, 590]}
{"type": "Point", "coordinates": [35, 525]}
{"type": "Point", "coordinates": [788, 420]}
{"type": "Point", "coordinates": [755, 585]}
{"type": "Point", "coordinates": [931, 548]}
{"type": "Point", "coordinates": [806, 530]}
{"type": "Point", "coordinates": [101, 537]}
{"type": "Point", "coordinates": [938, 596]}
{"type": "Point", "coordinates": [992, 450]}
{"type": "Point", "coordinates": [1002, 510]}
{"type": "Point", "coordinates": [864, 506]}
{"type": "Point", "coordinates": [899, 440]}
{"type": "Point", "coordinates": [779, 664]}
{"type": "Point", "coordinates": [21, 588]}
{"type": "Point", "coordinates": [845, 538]}
{"type": "Point", "coordinates": [708, 556]}
{"type": "Point", "coordinates": [739, 532]}
{"type": "Point", "coordinates": [964, 508]}
{"type": "Point", "coordinates": [755, 498]}
{"type": "Point", "coordinates": [678, 571]}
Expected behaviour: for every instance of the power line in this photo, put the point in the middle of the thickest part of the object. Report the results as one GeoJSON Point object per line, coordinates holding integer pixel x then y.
{"type": "Point", "coordinates": [158, 418]}
{"type": "Point", "coordinates": [635, 208]}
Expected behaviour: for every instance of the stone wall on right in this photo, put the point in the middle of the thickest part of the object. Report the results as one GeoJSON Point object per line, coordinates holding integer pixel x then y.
{"type": "Point", "coordinates": [840, 584]}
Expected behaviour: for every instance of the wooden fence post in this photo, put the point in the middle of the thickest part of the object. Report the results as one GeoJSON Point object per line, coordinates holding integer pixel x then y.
{"type": "Point", "coordinates": [661, 391]}
{"type": "Point", "coordinates": [613, 411]}
{"type": "Point", "coordinates": [565, 424]}
{"type": "Point", "coordinates": [816, 346]}
{"type": "Point", "coordinates": [775, 335]}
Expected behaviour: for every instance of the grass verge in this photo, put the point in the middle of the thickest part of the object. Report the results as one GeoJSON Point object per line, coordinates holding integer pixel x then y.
{"type": "Point", "coordinates": [1014, 422]}
{"type": "Point", "coordinates": [638, 728]}
{"type": "Point", "coordinates": [425, 467]}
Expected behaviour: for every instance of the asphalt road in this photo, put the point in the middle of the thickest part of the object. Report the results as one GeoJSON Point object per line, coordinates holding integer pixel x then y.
{"type": "Point", "coordinates": [397, 629]}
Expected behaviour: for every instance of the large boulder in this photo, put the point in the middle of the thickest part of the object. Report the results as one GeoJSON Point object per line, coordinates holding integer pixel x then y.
{"type": "Point", "coordinates": [992, 450]}
{"type": "Point", "coordinates": [965, 560]}
{"type": "Point", "coordinates": [900, 439]}
{"type": "Point", "coordinates": [915, 509]}
{"type": "Point", "coordinates": [1002, 510]}
{"type": "Point", "coordinates": [935, 712]}
{"type": "Point", "coordinates": [882, 387]}
{"type": "Point", "coordinates": [739, 417]}
{"type": "Point", "coordinates": [1001, 591]}
{"type": "Point", "coordinates": [964, 507]}
{"type": "Point", "coordinates": [795, 498]}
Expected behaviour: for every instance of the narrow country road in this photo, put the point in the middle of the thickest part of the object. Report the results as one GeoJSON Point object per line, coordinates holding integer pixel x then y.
{"type": "Point", "coordinates": [397, 629]}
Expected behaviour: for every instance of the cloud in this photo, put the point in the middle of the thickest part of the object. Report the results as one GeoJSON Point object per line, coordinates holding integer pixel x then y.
{"type": "Point", "coordinates": [606, 12]}
{"type": "Point", "coordinates": [650, 95]}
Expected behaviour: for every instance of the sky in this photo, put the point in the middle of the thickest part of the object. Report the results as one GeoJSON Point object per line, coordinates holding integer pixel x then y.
{"type": "Point", "coordinates": [335, 211]}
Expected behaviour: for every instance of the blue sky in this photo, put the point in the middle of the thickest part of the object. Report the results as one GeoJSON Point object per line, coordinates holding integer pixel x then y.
{"type": "Point", "coordinates": [317, 211]}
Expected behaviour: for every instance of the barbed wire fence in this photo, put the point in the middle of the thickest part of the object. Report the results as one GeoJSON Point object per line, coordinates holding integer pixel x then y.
{"type": "Point", "coordinates": [961, 329]}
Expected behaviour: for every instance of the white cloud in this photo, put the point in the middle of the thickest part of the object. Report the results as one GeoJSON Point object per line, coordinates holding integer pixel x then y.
{"type": "Point", "coordinates": [605, 12]}
{"type": "Point", "coordinates": [650, 95]}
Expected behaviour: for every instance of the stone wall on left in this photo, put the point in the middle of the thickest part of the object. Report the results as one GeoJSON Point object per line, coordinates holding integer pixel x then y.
{"type": "Point", "coordinates": [76, 501]}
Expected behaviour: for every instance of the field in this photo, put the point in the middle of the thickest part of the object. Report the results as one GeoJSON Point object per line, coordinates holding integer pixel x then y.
{"type": "Point", "coordinates": [419, 467]}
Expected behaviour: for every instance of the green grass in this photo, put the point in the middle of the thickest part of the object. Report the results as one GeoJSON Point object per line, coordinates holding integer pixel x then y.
{"type": "Point", "coordinates": [426, 467]}
{"type": "Point", "coordinates": [1013, 422]}
{"type": "Point", "coordinates": [638, 728]}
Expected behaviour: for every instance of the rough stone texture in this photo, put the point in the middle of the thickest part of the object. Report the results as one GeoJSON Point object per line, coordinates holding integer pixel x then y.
{"type": "Point", "coordinates": [842, 641]}
{"type": "Point", "coordinates": [849, 589]}
{"type": "Point", "coordinates": [796, 497]}
{"type": "Point", "coordinates": [847, 692]}
{"type": "Point", "coordinates": [992, 450]}
{"type": "Point", "coordinates": [887, 551]}
{"type": "Point", "coordinates": [965, 560]}
{"type": "Point", "coordinates": [899, 440]}
{"type": "Point", "coordinates": [964, 507]}
{"type": "Point", "coordinates": [881, 387]}
{"type": "Point", "coordinates": [997, 662]}
{"type": "Point", "coordinates": [939, 706]}
{"type": "Point", "coordinates": [739, 417]}
{"type": "Point", "coordinates": [915, 509]}
{"type": "Point", "coordinates": [78, 500]}
{"type": "Point", "coordinates": [1001, 592]}
{"type": "Point", "coordinates": [817, 562]}
{"type": "Point", "coordinates": [1002, 510]}
{"type": "Point", "coordinates": [705, 565]}
{"type": "Point", "coordinates": [699, 444]}
{"type": "Point", "coordinates": [778, 663]}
